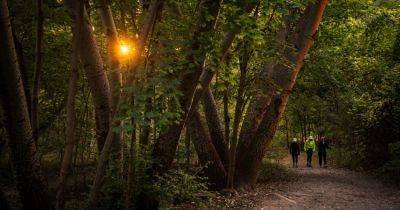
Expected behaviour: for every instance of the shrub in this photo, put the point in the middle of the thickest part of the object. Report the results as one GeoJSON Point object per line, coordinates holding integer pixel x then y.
{"type": "Point", "coordinates": [272, 171]}
{"type": "Point", "coordinates": [350, 156]}
{"type": "Point", "coordinates": [390, 170]}
{"type": "Point", "coordinates": [178, 187]}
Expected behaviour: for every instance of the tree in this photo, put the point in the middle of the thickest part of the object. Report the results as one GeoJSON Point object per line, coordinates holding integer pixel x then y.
{"type": "Point", "coordinates": [70, 138]}
{"type": "Point", "coordinates": [93, 66]}
{"type": "Point", "coordinates": [30, 183]}
{"type": "Point", "coordinates": [38, 70]}
{"type": "Point", "coordinates": [250, 155]}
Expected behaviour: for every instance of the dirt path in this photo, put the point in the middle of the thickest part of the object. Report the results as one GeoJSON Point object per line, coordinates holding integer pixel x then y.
{"type": "Point", "coordinates": [325, 188]}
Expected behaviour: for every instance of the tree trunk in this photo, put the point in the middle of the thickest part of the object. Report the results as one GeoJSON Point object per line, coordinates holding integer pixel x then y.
{"type": "Point", "coordinates": [244, 61]}
{"type": "Point", "coordinates": [24, 73]}
{"type": "Point", "coordinates": [145, 134]}
{"type": "Point", "coordinates": [214, 125]}
{"type": "Point", "coordinates": [227, 119]}
{"type": "Point", "coordinates": [70, 126]}
{"type": "Point", "coordinates": [155, 8]}
{"type": "Point", "coordinates": [38, 70]}
{"type": "Point", "coordinates": [187, 148]}
{"type": "Point", "coordinates": [260, 102]}
{"type": "Point", "coordinates": [208, 155]}
{"type": "Point", "coordinates": [131, 170]}
{"type": "Point", "coordinates": [31, 184]}
{"type": "Point", "coordinates": [166, 145]}
{"type": "Point", "coordinates": [149, 22]}
{"type": "Point", "coordinates": [93, 66]}
{"type": "Point", "coordinates": [225, 44]}
{"type": "Point", "coordinates": [114, 65]}
{"type": "Point", "coordinates": [249, 161]}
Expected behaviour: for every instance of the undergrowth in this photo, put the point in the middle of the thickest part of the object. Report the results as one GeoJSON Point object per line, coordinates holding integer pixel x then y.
{"type": "Point", "coordinates": [273, 171]}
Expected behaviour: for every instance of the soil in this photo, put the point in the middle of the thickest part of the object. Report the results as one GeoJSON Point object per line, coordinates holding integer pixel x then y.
{"type": "Point", "coordinates": [321, 188]}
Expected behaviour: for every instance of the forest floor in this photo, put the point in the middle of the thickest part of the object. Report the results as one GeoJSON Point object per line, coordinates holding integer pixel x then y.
{"type": "Point", "coordinates": [321, 188]}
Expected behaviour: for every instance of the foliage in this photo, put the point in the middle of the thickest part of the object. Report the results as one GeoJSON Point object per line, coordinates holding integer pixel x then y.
{"type": "Point", "coordinates": [391, 169]}
{"type": "Point", "coordinates": [272, 171]}
{"type": "Point", "coordinates": [178, 187]}
{"type": "Point", "coordinates": [350, 156]}
{"type": "Point", "coordinates": [348, 90]}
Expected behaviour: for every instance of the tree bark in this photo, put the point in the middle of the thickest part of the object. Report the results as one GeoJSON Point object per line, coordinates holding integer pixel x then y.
{"type": "Point", "coordinates": [31, 184]}
{"type": "Point", "coordinates": [166, 145]}
{"type": "Point", "coordinates": [214, 125]}
{"type": "Point", "coordinates": [145, 133]}
{"type": "Point", "coordinates": [114, 65]}
{"type": "Point", "coordinates": [245, 55]}
{"type": "Point", "coordinates": [70, 126]}
{"type": "Point", "coordinates": [155, 8]}
{"type": "Point", "coordinates": [227, 119]}
{"type": "Point", "coordinates": [251, 157]}
{"type": "Point", "coordinates": [24, 73]}
{"type": "Point", "coordinates": [208, 155]}
{"type": "Point", "coordinates": [93, 66]}
{"type": "Point", "coordinates": [131, 170]}
{"type": "Point", "coordinates": [38, 70]}
{"type": "Point", "coordinates": [262, 99]}
{"type": "Point", "coordinates": [187, 148]}
{"type": "Point", "coordinates": [206, 78]}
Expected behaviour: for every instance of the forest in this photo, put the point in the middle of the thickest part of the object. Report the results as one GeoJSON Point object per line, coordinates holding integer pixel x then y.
{"type": "Point", "coordinates": [193, 104]}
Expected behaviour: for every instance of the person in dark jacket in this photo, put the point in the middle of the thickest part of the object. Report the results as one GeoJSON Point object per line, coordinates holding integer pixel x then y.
{"type": "Point", "coordinates": [295, 152]}
{"type": "Point", "coordinates": [322, 147]}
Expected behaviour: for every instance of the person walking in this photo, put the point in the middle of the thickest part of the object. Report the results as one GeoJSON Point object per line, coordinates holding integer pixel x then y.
{"type": "Point", "coordinates": [295, 152]}
{"type": "Point", "coordinates": [309, 148]}
{"type": "Point", "coordinates": [322, 147]}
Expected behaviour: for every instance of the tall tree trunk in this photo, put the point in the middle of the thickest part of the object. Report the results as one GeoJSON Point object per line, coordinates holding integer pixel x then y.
{"type": "Point", "coordinates": [227, 119]}
{"type": "Point", "coordinates": [145, 133]}
{"type": "Point", "coordinates": [262, 99]}
{"type": "Point", "coordinates": [167, 142]}
{"type": "Point", "coordinates": [245, 55]}
{"type": "Point", "coordinates": [214, 125]}
{"type": "Point", "coordinates": [206, 78]}
{"type": "Point", "coordinates": [24, 73]}
{"type": "Point", "coordinates": [70, 126]}
{"type": "Point", "coordinates": [93, 66]}
{"type": "Point", "coordinates": [250, 158]}
{"type": "Point", "coordinates": [149, 22]}
{"type": "Point", "coordinates": [208, 155]}
{"type": "Point", "coordinates": [166, 145]}
{"type": "Point", "coordinates": [154, 10]}
{"type": "Point", "coordinates": [114, 64]}
{"type": "Point", "coordinates": [38, 70]}
{"type": "Point", "coordinates": [187, 148]}
{"type": "Point", "coordinates": [31, 184]}
{"type": "Point", "coordinates": [131, 170]}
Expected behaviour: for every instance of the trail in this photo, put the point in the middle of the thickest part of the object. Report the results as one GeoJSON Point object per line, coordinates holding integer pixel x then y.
{"type": "Point", "coordinates": [325, 188]}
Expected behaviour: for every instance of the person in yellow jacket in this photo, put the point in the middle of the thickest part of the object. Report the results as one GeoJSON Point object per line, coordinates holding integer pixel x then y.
{"type": "Point", "coordinates": [309, 148]}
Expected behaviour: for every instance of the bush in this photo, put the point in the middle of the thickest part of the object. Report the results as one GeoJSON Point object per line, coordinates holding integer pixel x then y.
{"type": "Point", "coordinates": [272, 171]}
{"type": "Point", "coordinates": [350, 156]}
{"type": "Point", "coordinates": [390, 170]}
{"type": "Point", "coordinates": [179, 187]}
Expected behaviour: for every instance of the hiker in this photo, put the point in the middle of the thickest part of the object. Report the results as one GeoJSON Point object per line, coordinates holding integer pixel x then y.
{"type": "Point", "coordinates": [309, 148]}
{"type": "Point", "coordinates": [322, 147]}
{"type": "Point", "coordinates": [295, 152]}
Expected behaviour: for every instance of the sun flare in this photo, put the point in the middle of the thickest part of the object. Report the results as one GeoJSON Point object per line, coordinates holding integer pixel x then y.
{"type": "Point", "coordinates": [124, 49]}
